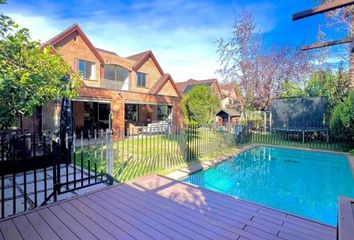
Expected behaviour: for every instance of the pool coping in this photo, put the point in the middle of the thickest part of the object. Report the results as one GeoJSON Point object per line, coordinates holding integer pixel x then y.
{"type": "Point", "coordinates": [184, 172]}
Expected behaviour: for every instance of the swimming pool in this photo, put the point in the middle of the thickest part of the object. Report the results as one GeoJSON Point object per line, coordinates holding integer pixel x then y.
{"type": "Point", "coordinates": [305, 183]}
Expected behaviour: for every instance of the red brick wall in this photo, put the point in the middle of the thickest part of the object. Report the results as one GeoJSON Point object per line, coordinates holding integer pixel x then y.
{"type": "Point", "coordinates": [78, 111]}
{"type": "Point", "coordinates": [118, 98]}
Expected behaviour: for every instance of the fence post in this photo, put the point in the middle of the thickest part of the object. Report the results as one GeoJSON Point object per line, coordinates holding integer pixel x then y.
{"type": "Point", "coordinates": [109, 152]}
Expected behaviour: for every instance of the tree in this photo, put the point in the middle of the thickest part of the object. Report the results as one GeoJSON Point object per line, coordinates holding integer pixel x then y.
{"type": "Point", "coordinates": [29, 76]}
{"type": "Point", "coordinates": [334, 85]}
{"type": "Point", "coordinates": [200, 105]}
{"type": "Point", "coordinates": [259, 70]}
{"type": "Point", "coordinates": [342, 120]}
{"type": "Point", "coordinates": [290, 89]}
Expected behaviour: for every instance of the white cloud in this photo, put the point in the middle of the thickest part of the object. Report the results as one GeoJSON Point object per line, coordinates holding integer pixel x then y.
{"type": "Point", "coordinates": [180, 33]}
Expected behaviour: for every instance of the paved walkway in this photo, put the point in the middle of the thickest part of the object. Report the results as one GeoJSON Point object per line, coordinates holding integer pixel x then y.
{"type": "Point", "coordinates": [156, 207]}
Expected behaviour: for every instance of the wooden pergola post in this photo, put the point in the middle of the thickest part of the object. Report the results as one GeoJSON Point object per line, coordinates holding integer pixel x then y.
{"type": "Point", "coordinates": [326, 7]}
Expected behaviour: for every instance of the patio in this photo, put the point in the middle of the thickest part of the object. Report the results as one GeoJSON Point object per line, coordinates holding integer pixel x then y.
{"type": "Point", "coordinates": [156, 207]}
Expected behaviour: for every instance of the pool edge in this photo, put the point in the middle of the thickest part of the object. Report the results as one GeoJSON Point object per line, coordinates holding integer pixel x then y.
{"type": "Point", "coordinates": [184, 172]}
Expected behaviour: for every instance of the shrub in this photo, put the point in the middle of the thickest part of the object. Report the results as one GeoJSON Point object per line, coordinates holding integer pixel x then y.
{"type": "Point", "coordinates": [200, 105]}
{"type": "Point", "coordinates": [342, 119]}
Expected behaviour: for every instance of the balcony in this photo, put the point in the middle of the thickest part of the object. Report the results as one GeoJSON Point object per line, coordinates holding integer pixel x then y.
{"type": "Point", "coordinates": [114, 85]}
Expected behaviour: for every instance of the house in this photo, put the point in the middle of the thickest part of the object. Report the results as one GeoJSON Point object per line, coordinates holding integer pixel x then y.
{"type": "Point", "coordinates": [118, 92]}
{"type": "Point", "coordinates": [231, 105]}
{"type": "Point", "coordinates": [185, 87]}
{"type": "Point", "coordinates": [231, 101]}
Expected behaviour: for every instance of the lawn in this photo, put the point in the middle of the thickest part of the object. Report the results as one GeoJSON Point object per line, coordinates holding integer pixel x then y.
{"type": "Point", "coordinates": [295, 141]}
{"type": "Point", "coordinates": [141, 155]}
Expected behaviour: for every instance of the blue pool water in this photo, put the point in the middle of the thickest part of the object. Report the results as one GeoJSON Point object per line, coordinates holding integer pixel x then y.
{"type": "Point", "coordinates": [305, 183]}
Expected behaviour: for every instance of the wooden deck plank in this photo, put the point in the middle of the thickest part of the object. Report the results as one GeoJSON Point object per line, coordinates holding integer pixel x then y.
{"type": "Point", "coordinates": [228, 211]}
{"type": "Point", "coordinates": [224, 222]}
{"type": "Point", "coordinates": [346, 218]}
{"type": "Point", "coordinates": [41, 226]}
{"type": "Point", "coordinates": [129, 217]}
{"type": "Point", "coordinates": [186, 192]}
{"type": "Point", "coordinates": [61, 230]}
{"type": "Point", "coordinates": [158, 225]}
{"type": "Point", "coordinates": [216, 229]}
{"type": "Point", "coordinates": [188, 227]}
{"type": "Point", "coordinates": [9, 230]}
{"type": "Point", "coordinates": [184, 189]}
{"type": "Point", "coordinates": [1, 236]}
{"type": "Point", "coordinates": [156, 207]}
{"type": "Point", "coordinates": [160, 202]}
{"type": "Point", "coordinates": [230, 203]}
{"type": "Point", "coordinates": [154, 182]}
{"type": "Point", "coordinates": [25, 228]}
{"type": "Point", "coordinates": [128, 227]}
{"type": "Point", "coordinates": [75, 226]}
{"type": "Point", "coordinates": [107, 225]}
{"type": "Point", "coordinates": [96, 229]}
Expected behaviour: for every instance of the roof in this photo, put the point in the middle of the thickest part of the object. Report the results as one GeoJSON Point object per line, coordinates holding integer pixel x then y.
{"type": "Point", "coordinates": [141, 58]}
{"type": "Point", "coordinates": [185, 87]}
{"type": "Point", "coordinates": [74, 28]}
{"type": "Point", "coordinates": [227, 87]}
{"type": "Point", "coordinates": [106, 51]}
{"type": "Point", "coordinates": [161, 82]}
{"type": "Point", "coordinates": [231, 112]}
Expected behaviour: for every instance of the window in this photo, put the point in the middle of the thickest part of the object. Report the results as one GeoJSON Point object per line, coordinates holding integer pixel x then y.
{"type": "Point", "coordinates": [141, 79]}
{"type": "Point", "coordinates": [109, 72]}
{"type": "Point", "coordinates": [163, 112]}
{"type": "Point", "coordinates": [131, 112]}
{"type": "Point", "coordinates": [115, 73]}
{"type": "Point", "coordinates": [87, 69]}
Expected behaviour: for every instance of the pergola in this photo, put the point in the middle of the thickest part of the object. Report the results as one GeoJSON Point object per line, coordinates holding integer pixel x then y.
{"type": "Point", "coordinates": [326, 7]}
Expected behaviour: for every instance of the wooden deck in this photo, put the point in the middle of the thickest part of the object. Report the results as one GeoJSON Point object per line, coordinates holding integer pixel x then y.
{"type": "Point", "coordinates": [157, 207]}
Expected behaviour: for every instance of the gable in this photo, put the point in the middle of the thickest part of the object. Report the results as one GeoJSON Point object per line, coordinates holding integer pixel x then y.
{"type": "Point", "coordinates": [70, 35]}
{"type": "Point", "coordinates": [165, 86]}
{"type": "Point", "coordinates": [168, 90]}
{"type": "Point", "coordinates": [144, 58]}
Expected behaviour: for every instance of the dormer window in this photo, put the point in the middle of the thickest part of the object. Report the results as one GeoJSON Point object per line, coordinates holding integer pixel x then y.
{"type": "Point", "coordinates": [87, 69]}
{"type": "Point", "coordinates": [141, 79]}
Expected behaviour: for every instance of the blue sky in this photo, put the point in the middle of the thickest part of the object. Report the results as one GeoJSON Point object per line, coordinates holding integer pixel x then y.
{"type": "Point", "coordinates": [181, 33]}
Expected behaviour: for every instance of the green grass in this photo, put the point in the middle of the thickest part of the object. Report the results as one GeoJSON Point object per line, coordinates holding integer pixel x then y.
{"type": "Point", "coordinates": [351, 152]}
{"type": "Point", "coordinates": [294, 141]}
{"type": "Point", "coordinates": [141, 156]}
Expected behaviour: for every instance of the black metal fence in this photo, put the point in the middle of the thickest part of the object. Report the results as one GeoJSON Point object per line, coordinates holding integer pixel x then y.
{"type": "Point", "coordinates": [34, 172]}
{"type": "Point", "coordinates": [309, 135]}
{"type": "Point", "coordinates": [165, 148]}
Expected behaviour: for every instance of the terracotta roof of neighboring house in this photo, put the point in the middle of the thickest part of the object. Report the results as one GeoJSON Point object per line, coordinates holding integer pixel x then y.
{"type": "Point", "coordinates": [142, 57]}
{"type": "Point", "coordinates": [74, 28]}
{"type": "Point", "coordinates": [161, 82]}
{"type": "Point", "coordinates": [227, 86]}
{"type": "Point", "coordinates": [231, 112]}
{"type": "Point", "coordinates": [181, 86]}
{"type": "Point", "coordinates": [186, 86]}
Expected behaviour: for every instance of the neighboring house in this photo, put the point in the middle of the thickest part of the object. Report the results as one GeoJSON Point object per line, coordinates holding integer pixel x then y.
{"type": "Point", "coordinates": [185, 87]}
{"type": "Point", "coordinates": [231, 103]}
{"type": "Point", "coordinates": [117, 92]}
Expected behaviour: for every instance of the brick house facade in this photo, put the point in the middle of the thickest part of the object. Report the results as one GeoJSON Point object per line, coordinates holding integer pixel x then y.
{"type": "Point", "coordinates": [117, 91]}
